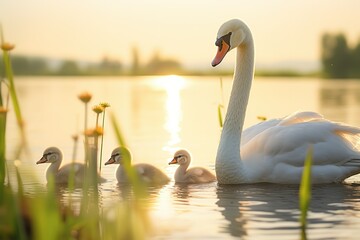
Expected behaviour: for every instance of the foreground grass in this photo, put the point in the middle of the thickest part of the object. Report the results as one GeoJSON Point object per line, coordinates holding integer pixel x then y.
{"type": "Point", "coordinates": [305, 192]}
{"type": "Point", "coordinates": [42, 216]}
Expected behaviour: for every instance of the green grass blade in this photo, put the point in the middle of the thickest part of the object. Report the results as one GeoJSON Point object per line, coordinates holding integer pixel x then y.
{"type": "Point", "coordinates": [2, 149]}
{"type": "Point", "coordinates": [221, 105]}
{"type": "Point", "coordinates": [118, 134]}
{"type": "Point", "coordinates": [9, 75]}
{"type": "Point", "coordinates": [15, 102]}
{"type": "Point", "coordinates": [138, 186]}
{"type": "Point", "coordinates": [102, 141]}
{"type": "Point", "coordinates": [221, 123]}
{"type": "Point", "coordinates": [305, 188]}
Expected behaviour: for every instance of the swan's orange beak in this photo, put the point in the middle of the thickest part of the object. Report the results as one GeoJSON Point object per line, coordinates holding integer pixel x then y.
{"type": "Point", "coordinates": [42, 160]}
{"type": "Point", "coordinates": [110, 161]}
{"type": "Point", "coordinates": [222, 51]}
{"type": "Point", "coordinates": [174, 161]}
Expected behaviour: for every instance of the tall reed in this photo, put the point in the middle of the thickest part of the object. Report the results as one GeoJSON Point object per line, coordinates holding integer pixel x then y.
{"type": "Point", "coordinates": [42, 216]}
{"type": "Point", "coordinates": [6, 48]}
{"type": "Point", "coordinates": [104, 105]}
{"type": "Point", "coordinates": [221, 105]}
{"type": "Point", "coordinates": [305, 191]}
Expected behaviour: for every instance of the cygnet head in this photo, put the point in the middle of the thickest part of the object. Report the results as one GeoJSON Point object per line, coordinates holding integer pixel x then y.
{"type": "Point", "coordinates": [231, 34]}
{"type": "Point", "coordinates": [181, 157]}
{"type": "Point", "coordinates": [119, 155]}
{"type": "Point", "coordinates": [50, 155]}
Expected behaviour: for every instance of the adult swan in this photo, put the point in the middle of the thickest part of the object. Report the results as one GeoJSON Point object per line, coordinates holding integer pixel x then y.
{"type": "Point", "coordinates": [274, 151]}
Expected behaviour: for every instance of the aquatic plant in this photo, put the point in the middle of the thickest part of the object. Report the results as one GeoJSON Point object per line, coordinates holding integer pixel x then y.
{"type": "Point", "coordinates": [305, 190]}
{"type": "Point", "coordinates": [85, 97]}
{"type": "Point", "coordinates": [221, 105]}
{"type": "Point", "coordinates": [3, 113]}
{"type": "Point", "coordinates": [42, 215]}
{"type": "Point", "coordinates": [104, 106]}
{"type": "Point", "coordinates": [9, 83]}
{"type": "Point", "coordinates": [6, 48]}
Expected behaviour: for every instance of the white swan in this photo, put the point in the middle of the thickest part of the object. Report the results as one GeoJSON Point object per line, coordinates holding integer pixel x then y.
{"type": "Point", "coordinates": [54, 156]}
{"type": "Point", "coordinates": [192, 175]}
{"type": "Point", "coordinates": [146, 172]}
{"type": "Point", "coordinates": [274, 151]}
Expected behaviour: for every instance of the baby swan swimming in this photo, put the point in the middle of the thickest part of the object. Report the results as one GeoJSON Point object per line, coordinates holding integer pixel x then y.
{"type": "Point", "coordinates": [192, 175]}
{"type": "Point", "coordinates": [146, 172]}
{"type": "Point", "coordinates": [54, 156]}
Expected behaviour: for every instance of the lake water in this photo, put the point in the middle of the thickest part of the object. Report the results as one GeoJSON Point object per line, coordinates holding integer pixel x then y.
{"type": "Point", "coordinates": [158, 115]}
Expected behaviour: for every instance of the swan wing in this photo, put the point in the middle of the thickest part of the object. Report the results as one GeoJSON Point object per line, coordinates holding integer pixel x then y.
{"type": "Point", "coordinates": [199, 175]}
{"type": "Point", "coordinates": [254, 130]}
{"type": "Point", "coordinates": [294, 118]}
{"type": "Point", "coordinates": [301, 117]}
{"type": "Point", "coordinates": [63, 174]}
{"type": "Point", "coordinates": [282, 149]}
{"type": "Point", "coordinates": [150, 174]}
{"type": "Point", "coordinates": [333, 143]}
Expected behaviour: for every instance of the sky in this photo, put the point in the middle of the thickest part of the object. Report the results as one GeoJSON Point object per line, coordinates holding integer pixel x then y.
{"type": "Point", "coordinates": [87, 30]}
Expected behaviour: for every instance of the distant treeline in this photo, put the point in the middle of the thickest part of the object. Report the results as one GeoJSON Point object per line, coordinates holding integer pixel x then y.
{"type": "Point", "coordinates": [339, 60]}
{"type": "Point", "coordinates": [24, 65]}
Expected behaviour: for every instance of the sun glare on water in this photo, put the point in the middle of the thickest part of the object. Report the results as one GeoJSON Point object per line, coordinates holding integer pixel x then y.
{"type": "Point", "coordinates": [173, 86]}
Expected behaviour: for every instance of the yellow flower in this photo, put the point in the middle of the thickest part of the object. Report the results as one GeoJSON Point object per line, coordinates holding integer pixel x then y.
{"type": "Point", "coordinates": [3, 110]}
{"type": "Point", "coordinates": [75, 137]}
{"type": "Point", "coordinates": [104, 104]}
{"type": "Point", "coordinates": [85, 97]}
{"type": "Point", "coordinates": [93, 132]}
{"type": "Point", "coordinates": [7, 46]}
{"type": "Point", "coordinates": [98, 109]}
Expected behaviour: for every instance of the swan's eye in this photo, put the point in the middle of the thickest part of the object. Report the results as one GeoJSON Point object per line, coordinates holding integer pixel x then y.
{"type": "Point", "coordinates": [225, 38]}
{"type": "Point", "coordinates": [219, 43]}
{"type": "Point", "coordinates": [47, 154]}
{"type": "Point", "coordinates": [179, 156]}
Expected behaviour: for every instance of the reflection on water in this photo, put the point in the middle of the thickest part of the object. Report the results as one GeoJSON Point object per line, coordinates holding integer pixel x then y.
{"type": "Point", "coordinates": [272, 210]}
{"type": "Point", "coordinates": [154, 114]}
{"type": "Point", "coordinates": [173, 86]}
{"type": "Point", "coordinates": [340, 101]}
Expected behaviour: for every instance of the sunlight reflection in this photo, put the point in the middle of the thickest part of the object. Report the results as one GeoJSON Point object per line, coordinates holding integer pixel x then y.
{"type": "Point", "coordinates": [164, 209]}
{"type": "Point", "coordinates": [172, 85]}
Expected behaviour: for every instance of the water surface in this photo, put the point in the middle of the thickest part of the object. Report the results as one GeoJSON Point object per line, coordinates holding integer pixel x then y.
{"type": "Point", "coordinates": [161, 114]}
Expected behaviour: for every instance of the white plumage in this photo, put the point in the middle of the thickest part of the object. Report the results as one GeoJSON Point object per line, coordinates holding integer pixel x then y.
{"type": "Point", "coordinates": [274, 151]}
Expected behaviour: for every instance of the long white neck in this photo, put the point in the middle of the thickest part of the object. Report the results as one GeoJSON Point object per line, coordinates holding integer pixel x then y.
{"type": "Point", "coordinates": [229, 167]}
{"type": "Point", "coordinates": [52, 170]}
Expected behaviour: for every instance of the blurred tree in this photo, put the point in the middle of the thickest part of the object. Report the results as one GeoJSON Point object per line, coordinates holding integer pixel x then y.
{"type": "Point", "coordinates": [336, 56]}
{"type": "Point", "coordinates": [109, 66]}
{"type": "Point", "coordinates": [159, 65]}
{"type": "Point", "coordinates": [355, 61]}
{"type": "Point", "coordinates": [135, 66]}
{"type": "Point", "coordinates": [29, 66]}
{"type": "Point", "coordinates": [69, 67]}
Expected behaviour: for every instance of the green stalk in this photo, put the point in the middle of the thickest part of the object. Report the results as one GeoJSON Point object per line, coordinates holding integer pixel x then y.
{"type": "Point", "coordinates": [138, 186]}
{"type": "Point", "coordinates": [86, 137]}
{"type": "Point", "coordinates": [10, 76]}
{"type": "Point", "coordinates": [305, 189]}
{"type": "Point", "coordinates": [102, 141]}
{"type": "Point", "coordinates": [221, 123]}
{"type": "Point", "coordinates": [221, 105]}
{"type": "Point", "coordinates": [2, 150]}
